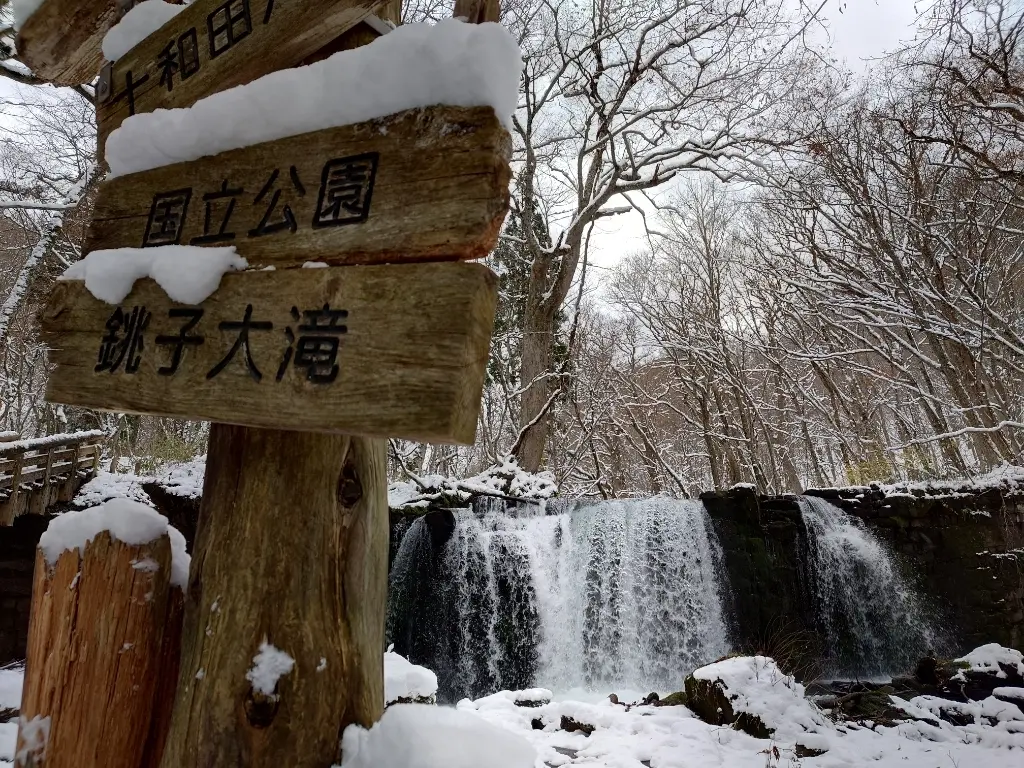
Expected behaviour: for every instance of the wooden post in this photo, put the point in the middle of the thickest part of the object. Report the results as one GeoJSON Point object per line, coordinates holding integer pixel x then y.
{"type": "Point", "coordinates": [292, 551]}
{"type": "Point", "coordinates": [9, 508]}
{"type": "Point", "coordinates": [94, 655]}
{"type": "Point", "coordinates": [40, 501]}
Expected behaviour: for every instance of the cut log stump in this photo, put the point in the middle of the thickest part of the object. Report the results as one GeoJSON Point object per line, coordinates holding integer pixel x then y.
{"type": "Point", "coordinates": [102, 657]}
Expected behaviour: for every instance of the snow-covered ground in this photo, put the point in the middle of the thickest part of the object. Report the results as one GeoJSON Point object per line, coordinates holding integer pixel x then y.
{"type": "Point", "coordinates": [672, 737]}
{"type": "Point", "coordinates": [534, 729]}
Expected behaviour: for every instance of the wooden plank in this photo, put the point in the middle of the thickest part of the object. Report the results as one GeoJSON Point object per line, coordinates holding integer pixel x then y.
{"type": "Point", "coordinates": [420, 185]}
{"type": "Point", "coordinates": [214, 45]}
{"type": "Point", "coordinates": [409, 363]}
{"type": "Point", "coordinates": [60, 41]}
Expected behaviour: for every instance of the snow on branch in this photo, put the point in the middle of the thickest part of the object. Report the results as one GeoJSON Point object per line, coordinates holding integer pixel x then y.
{"type": "Point", "coordinates": [52, 221]}
{"type": "Point", "coordinates": [504, 480]}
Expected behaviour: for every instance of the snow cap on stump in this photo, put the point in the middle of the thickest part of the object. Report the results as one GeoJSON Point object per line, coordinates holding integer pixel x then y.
{"type": "Point", "coordinates": [125, 520]}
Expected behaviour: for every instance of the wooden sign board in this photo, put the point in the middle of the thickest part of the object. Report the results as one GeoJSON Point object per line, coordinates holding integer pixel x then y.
{"type": "Point", "coordinates": [425, 184]}
{"type": "Point", "coordinates": [61, 40]}
{"type": "Point", "coordinates": [378, 351]}
{"type": "Point", "coordinates": [214, 45]}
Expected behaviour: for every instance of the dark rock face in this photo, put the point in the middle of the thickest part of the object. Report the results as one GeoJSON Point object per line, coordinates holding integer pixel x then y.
{"type": "Point", "coordinates": [765, 558]}
{"type": "Point", "coordinates": [967, 547]}
{"type": "Point", "coordinates": [17, 559]}
{"type": "Point", "coordinates": [966, 552]}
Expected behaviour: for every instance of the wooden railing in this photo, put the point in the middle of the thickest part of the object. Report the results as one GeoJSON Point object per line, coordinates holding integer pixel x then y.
{"type": "Point", "coordinates": [40, 472]}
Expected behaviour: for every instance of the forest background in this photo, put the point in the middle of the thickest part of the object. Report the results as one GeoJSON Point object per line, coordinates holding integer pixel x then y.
{"type": "Point", "coordinates": [820, 281]}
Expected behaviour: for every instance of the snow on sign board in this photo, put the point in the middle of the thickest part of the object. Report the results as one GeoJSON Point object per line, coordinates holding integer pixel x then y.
{"type": "Point", "coordinates": [395, 351]}
{"type": "Point", "coordinates": [217, 44]}
{"type": "Point", "coordinates": [418, 185]}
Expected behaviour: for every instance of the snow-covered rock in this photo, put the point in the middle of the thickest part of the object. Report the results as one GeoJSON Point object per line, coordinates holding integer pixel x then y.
{"type": "Point", "coordinates": [990, 711]}
{"type": "Point", "coordinates": [752, 693]}
{"type": "Point", "coordinates": [407, 683]}
{"type": "Point", "coordinates": [421, 736]}
{"type": "Point", "coordinates": [994, 659]}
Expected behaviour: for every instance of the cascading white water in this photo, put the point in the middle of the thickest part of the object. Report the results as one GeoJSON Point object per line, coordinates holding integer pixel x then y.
{"type": "Point", "coordinates": [619, 593]}
{"type": "Point", "coordinates": [874, 622]}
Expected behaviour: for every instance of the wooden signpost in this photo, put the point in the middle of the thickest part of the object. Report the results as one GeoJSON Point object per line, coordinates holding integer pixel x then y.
{"type": "Point", "coordinates": [214, 45]}
{"type": "Point", "coordinates": [303, 372]}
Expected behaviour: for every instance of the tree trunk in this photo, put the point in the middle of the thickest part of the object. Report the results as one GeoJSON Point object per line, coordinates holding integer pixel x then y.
{"type": "Point", "coordinates": [94, 656]}
{"type": "Point", "coordinates": [538, 341]}
{"type": "Point", "coordinates": [292, 550]}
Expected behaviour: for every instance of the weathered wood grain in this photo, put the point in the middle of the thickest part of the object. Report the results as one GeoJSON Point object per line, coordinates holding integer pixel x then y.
{"type": "Point", "coordinates": [477, 11]}
{"type": "Point", "coordinates": [440, 191]}
{"type": "Point", "coordinates": [211, 55]}
{"type": "Point", "coordinates": [409, 364]}
{"type": "Point", "coordinates": [291, 550]}
{"type": "Point", "coordinates": [93, 664]}
{"type": "Point", "coordinates": [61, 40]}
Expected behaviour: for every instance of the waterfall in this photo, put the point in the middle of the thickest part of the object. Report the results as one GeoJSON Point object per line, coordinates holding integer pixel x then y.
{"type": "Point", "coordinates": [599, 596]}
{"type": "Point", "coordinates": [874, 623]}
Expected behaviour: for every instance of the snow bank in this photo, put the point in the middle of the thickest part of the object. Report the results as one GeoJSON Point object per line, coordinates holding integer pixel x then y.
{"type": "Point", "coordinates": [183, 479]}
{"type": "Point", "coordinates": [755, 685]}
{"type": "Point", "coordinates": [11, 680]}
{"type": "Point", "coordinates": [112, 485]}
{"type": "Point", "coordinates": [136, 25]}
{"type": "Point", "coordinates": [405, 680]}
{"type": "Point", "coordinates": [187, 273]}
{"type": "Point", "coordinates": [991, 659]}
{"type": "Point", "coordinates": [125, 520]}
{"type": "Point", "coordinates": [8, 743]}
{"type": "Point", "coordinates": [269, 665]}
{"type": "Point", "coordinates": [423, 736]}
{"type": "Point", "coordinates": [178, 479]}
{"type": "Point", "coordinates": [417, 65]}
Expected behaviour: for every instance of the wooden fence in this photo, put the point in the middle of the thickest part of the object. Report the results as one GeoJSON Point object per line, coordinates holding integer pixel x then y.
{"type": "Point", "coordinates": [40, 472]}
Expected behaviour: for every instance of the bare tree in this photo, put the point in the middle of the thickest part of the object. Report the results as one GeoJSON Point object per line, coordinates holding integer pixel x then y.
{"type": "Point", "coordinates": [618, 99]}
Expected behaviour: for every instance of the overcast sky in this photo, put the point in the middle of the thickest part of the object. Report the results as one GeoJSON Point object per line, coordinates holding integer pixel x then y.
{"type": "Point", "coordinates": [862, 31]}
